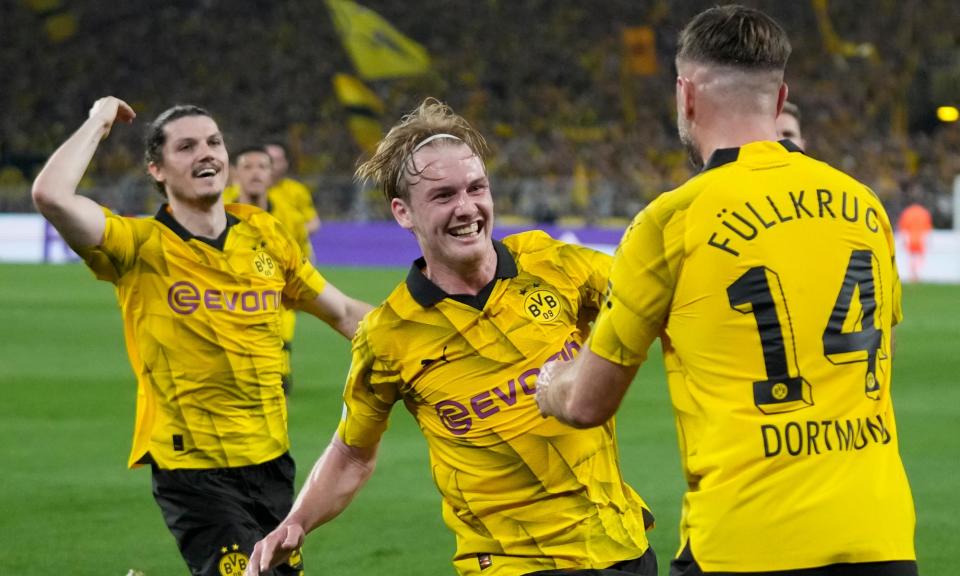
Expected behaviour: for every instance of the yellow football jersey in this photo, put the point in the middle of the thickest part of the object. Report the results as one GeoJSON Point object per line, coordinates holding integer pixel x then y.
{"type": "Point", "coordinates": [521, 493]}
{"type": "Point", "coordinates": [296, 195]}
{"type": "Point", "coordinates": [202, 327]}
{"type": "Point", "coordinates": [291, 204]}
{"type": "Point", "coordinates": [770, 279]}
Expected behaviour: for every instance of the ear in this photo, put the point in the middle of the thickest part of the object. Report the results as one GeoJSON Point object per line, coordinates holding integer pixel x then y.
{"type": "Point", "coordinates": [782, 97]}
{"type": "Point", "coordinates": [686, 97]}
{"type": "Point", "coordinates": [401, 213]}
{"type": "Point", "coordinates": [154, 171]}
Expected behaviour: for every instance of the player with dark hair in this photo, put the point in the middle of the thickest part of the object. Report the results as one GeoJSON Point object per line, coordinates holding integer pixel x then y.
{"type": "Point", "coordinates": [289, 190]}
{"type": "Point", "coordinates": [770, 279]}
{"type": "Point", "coordinates": [252, 171]}
{"type": "Point", "coordinates": [200, 288]}
{"type": "Point", "coordinates": [460, 343]}
{"type": "Point", "coordinates": [788, 124]}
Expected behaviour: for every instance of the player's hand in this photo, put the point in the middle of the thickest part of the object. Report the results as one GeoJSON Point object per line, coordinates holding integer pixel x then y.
{"type": "Point", "coordinates": [275, 548]}
{"type": "Point", "coordinates": [111, 109]}
{"type": "Point", "coordinates": [544, 397]}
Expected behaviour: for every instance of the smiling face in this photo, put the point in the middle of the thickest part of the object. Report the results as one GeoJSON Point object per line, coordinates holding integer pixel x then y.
{"type": "Point", "coordinates": [449, 208]}
{"type": "Point", "coordinates": [194, 161]}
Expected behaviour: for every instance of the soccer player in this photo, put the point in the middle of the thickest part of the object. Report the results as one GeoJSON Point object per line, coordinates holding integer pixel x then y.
{"type": "Point", "coordinates": [460, 343]}
{"type": "Point", "coordinates": [253, 174]}
{"type": "Point", "coordinates": [289, 190]}
{"type": "Point", "coordinates": [200, 290]}
{"type": "Point", "coordinates": [914, 225]}
{"type": "Point", "coordinates": [788, 124]}
{"type": "Point", "coordinates": [770, 279]}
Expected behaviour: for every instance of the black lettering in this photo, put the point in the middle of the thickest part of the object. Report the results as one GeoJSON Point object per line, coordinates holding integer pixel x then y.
{"type": "Point", "coordinates": [798, 204]}
{"type": "Point", "coordinates": [844, 439]}
{"type": "Point", "coordinates": [880, 428]}
{"type": "Point", "coordinates": [723, 246]}
{"type": "Point", "coordinates": [856, 208]}
{"type": "Point", "coordinates": [768, 450]}
{"type": "Point", "coordinates": [871, 222]}
{"type": "Point", "coordinates": [826, 437]}
{"type": "Point", "coordinates": [776, 211]}
{"type": "Point", "coordinates": [760, 219]}
{"type": "Point", "coordinates": [824, 198]}
{"type": "Point", "coordinates": [739, 233]}
{"type": "Point", "coordinates": [786, 436]}
{"type": "Point", "coordinates": [813, 430]}
{"type": "Point", "coordinates": [534, 310]}
{"type": "Point", "coordinates": [861, 437]}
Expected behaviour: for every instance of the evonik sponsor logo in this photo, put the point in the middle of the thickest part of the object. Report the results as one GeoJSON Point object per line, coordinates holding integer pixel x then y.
{"type": "Point", "coordinates": [458, 417]}
{"type": "Point", "coordinates": [185, 298]}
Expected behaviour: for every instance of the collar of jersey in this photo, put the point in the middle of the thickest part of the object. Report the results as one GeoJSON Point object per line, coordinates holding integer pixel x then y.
{"type": "Point", "coordinates": [165, 217]}
{"type": "Point", "coordinates": [723, 156]}
{"type": "Point", "coordinates": [427, 294]}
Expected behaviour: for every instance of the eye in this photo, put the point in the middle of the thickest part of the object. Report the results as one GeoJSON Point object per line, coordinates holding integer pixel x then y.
{"type": "Point", "coordinates": [185, 146]}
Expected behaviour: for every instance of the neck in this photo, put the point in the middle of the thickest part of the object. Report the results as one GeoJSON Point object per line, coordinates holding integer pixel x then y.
{"type": "Point", "coordinates": [469, 278]}
{"type": "Point", "coordinates": [200, 219]}
{"type": "Point", "coordinates": [258, 200]}
{"type": "Point", "coordinates": [735, 131]}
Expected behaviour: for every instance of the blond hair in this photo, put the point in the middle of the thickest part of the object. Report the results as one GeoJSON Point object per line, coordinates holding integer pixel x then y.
{"type": "Point", "coordinates": [431, 120]}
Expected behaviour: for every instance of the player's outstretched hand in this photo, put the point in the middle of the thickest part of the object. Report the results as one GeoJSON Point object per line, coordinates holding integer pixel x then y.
{"type": "Point", "coordinates": [110, 109]}
{"type": "Point", "coordinates": [275, 548]}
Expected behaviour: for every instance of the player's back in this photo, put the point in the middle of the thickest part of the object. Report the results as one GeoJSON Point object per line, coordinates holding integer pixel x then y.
{"type": "Point", "coordinates": [777, 348]}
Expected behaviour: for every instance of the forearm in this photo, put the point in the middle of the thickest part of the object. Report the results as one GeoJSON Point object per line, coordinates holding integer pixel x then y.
{"type": "Point", "coordinates": [335, 479]}
{"type": "Point", "coordinates": [57, 182]}
{"type": "Point", "coordinates": [79, 220]}
{"type": "Point", "coordinates": [585, 392]}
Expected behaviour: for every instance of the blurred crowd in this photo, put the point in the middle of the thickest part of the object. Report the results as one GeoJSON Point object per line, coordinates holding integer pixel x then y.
{"type": "Point", "coordinates": [573, 131]}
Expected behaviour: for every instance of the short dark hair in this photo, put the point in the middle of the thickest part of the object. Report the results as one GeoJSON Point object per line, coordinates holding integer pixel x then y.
{"type": "Point", "coordinates": [737, 36]}
{"type": "Point", "coordinates": [156, 137]}
{"type": "Point", "coordinates": [791, 109]}
{"type": "Point", "coordinates": [261, 148]}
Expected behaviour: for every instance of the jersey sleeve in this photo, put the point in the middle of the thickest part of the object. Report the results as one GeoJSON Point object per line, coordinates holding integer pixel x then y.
{"type": "Point", "coordinates": [642, 280]}
{"type": "Point", "coordinates": [372, 389]}
{"type": "Point", "coordinates": [116, 253]}
{"type": "Point", "coordinates": [303, 281]}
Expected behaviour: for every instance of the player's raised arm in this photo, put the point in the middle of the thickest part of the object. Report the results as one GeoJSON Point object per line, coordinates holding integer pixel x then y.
{"type": "Point", "coordinates": [335, 479]}
{"type": "Point", "coordinates": [340, 311]}
{"type": "Point", "coordinates": [78, 219]}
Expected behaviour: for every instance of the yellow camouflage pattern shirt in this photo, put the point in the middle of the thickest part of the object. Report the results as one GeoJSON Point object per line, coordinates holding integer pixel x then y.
{"type": "Point", "coordinates": [202, 326]}
{"type": "Point", "coordinates": [770, 279]}
{"type": "Point", "coordinates": [521, 493]}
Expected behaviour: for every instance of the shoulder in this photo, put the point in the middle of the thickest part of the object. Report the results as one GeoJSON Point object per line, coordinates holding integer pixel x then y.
{"type": "Point", "coordinates": [380, 329]}
{"type": "Point", "coordinates": [530, 241]}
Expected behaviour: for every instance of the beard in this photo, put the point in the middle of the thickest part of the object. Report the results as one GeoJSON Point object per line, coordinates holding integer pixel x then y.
{"type": "Point", "coordinates": [693, 151]}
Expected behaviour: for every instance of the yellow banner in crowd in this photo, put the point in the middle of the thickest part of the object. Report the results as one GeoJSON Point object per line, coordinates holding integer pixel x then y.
{"type": "Point", "coordinates": [377, 49]}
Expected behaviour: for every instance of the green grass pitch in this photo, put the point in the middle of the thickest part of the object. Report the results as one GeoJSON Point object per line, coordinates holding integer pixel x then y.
{"type": "Point", "coordinates": [69, 506]}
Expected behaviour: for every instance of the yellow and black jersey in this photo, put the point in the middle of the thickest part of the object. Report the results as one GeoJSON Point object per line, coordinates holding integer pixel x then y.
{"type": "Point", "coordinates": [770, 279]}
{"type": "Point", "coordinates": [521, 493]}
{"type": "Point", "coordinates": [202, 326]}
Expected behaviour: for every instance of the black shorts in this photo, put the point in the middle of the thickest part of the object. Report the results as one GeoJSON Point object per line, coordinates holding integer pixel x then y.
{"type": "Point", "coordinates": [686, 565]}
{"type": "Point", "coordinates": [217, 515]}
{"type": "Point", "coordinates": [645, 565]}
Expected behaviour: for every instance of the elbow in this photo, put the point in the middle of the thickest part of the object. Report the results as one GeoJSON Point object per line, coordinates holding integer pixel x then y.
{"type": "Point", "coordinates": [41, 198]}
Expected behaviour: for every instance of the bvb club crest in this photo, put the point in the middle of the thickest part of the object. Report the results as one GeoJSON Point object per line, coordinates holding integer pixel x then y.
{"type": "Point", "coordinates": [542, 305]}
{"type": "Point", "coordinates": [263, 264]}
{"type": "Point", "coordinates": [233, 562]}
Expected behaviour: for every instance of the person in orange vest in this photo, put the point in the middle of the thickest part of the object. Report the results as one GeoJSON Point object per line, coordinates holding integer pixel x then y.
{"type": "Point", "coordinates": [914, 225]}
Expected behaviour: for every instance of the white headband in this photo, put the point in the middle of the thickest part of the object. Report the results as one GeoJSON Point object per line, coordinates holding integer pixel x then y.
{"type": "Point", "coordinates": [430, 139]}
{"type": "Point", "coordinates": [422, 143]}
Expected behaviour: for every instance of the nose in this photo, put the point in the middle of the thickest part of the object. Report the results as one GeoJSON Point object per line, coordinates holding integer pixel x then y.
{"type": "Point", "coordinates": [465, 205]}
